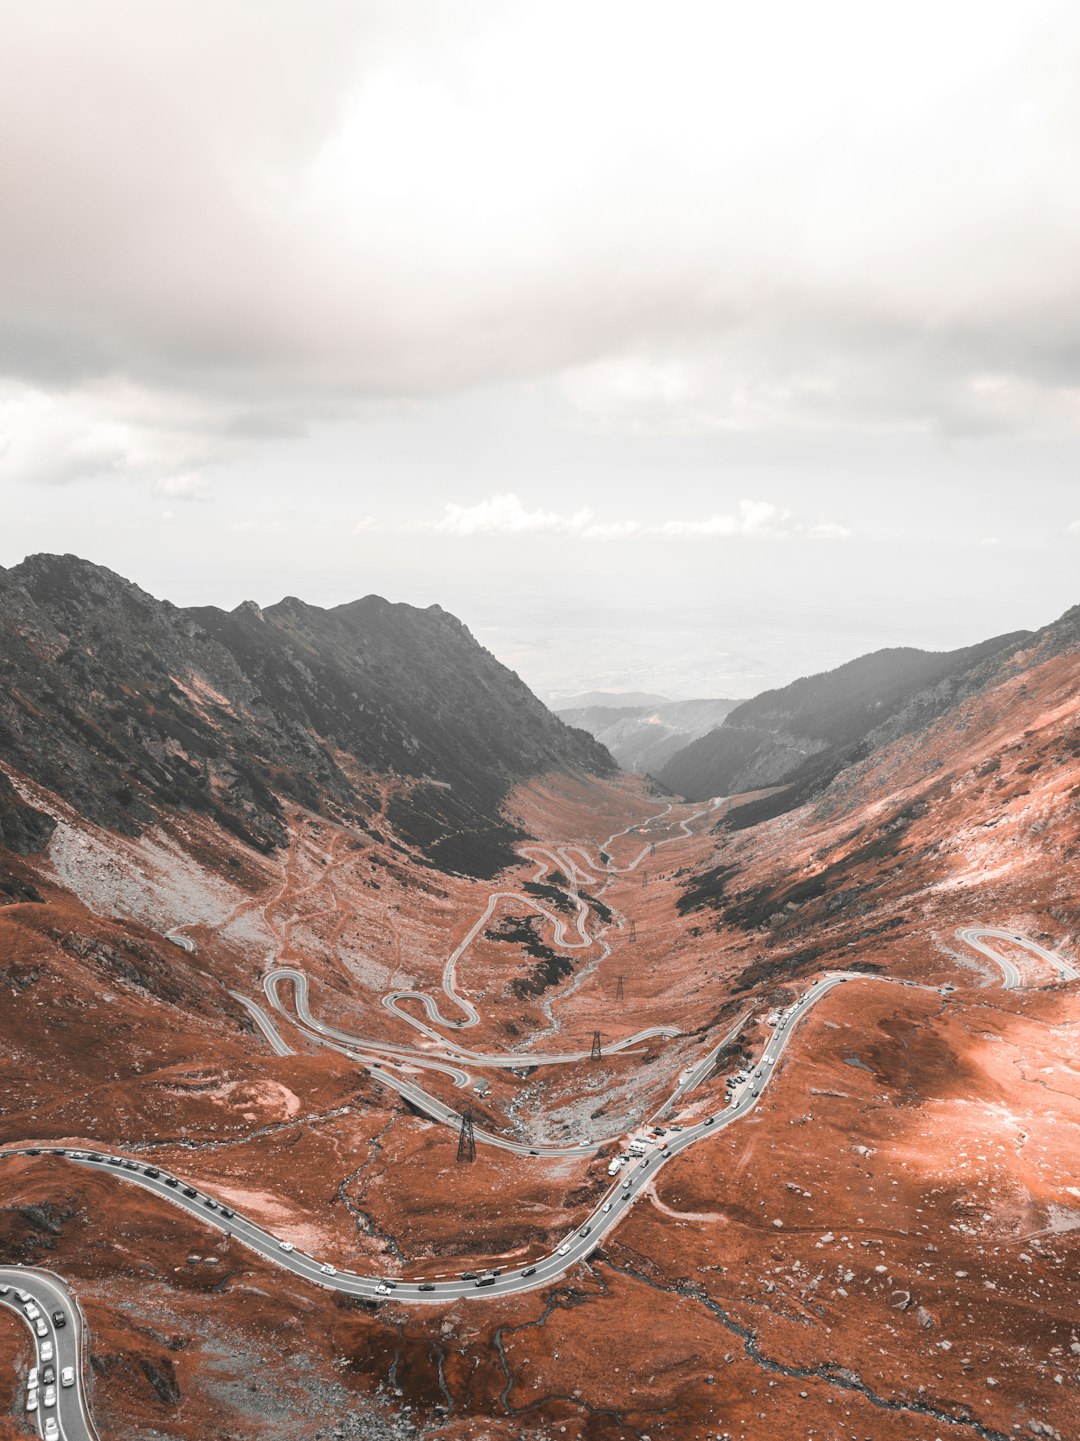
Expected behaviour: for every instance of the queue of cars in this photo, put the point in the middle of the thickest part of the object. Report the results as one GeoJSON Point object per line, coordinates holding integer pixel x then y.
{"type": "Point", "coordinates": [643, 1148]}
{"type": "Point", "coordinates": [41, 1381]}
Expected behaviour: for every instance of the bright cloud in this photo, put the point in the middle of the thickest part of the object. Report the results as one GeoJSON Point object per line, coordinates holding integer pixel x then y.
{"type": "Point", "coordinates": [506, 515]}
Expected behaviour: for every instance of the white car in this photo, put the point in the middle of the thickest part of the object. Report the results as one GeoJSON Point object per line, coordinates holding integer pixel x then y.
{"type": "Point", "coordinates": [31, 1400]}
{"type": "Point", "coordinates": [286, 1245]}
{"type": "Point", "coordinates": [327, 1269]}
{"type": "Point", "coordinates": [32, 1311]}
{"type": "Point", "coordinates": [46, 1351]}
{"type": "Point", "coordinates": [49, 1398]}
{"type": "Point", "coordinates": [606, 1206]}
{"type": "Point", "coordinates": [67, 1376]}
{"type": "Point", "coordinates": [40, 1327]}
{"type": "Point", "coordinates": [564, 1249]}
{"type": "Point", "coordinates": [32, 1379]}
{"type": "Point", "coordinates": [52, 1430]}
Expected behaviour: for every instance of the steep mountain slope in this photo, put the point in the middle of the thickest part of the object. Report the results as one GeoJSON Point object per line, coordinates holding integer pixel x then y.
{"type": "Point", "coordinates": [805, 733]}
{"type": "Point", "coordinates": [126, 706]}
{"type": "Point", "coordinates": [970, 786]}
{"type": "Point", "coordinates": [645, 737]}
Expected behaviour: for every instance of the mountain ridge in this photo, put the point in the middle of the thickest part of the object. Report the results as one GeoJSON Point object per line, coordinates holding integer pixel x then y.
{"type": "Point", "coordinates": [125, 705]}
{"type": "Point", "coordinates": [802, 734]}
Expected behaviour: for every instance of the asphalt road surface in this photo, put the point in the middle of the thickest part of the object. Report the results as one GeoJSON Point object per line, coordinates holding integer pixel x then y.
{"type": "Point", "coordinates": [972, 936]}
{"type": "Point", "coordinates": [544, 1269]}
{"type": "Point", "coordinates": [49, 1295]}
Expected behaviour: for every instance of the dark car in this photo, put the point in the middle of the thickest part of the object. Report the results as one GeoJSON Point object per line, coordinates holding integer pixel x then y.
{"type": "Point", "coordinates": [48, 1376]}
{"type": "Point", "coordinates": [116, 1161]}
{"type": "Point", "coordinates": [190, 1191]}
{"type": "Point", "coordinates": [469, 1275]}
{"type": "Point", "coordinates": [33, 1151]}
{"type": "Point", "coordinates": [172, 1181]}
{"type": "Point", "coordinates": [211, 1204]}
{"type": "Point", "coordinates": [425, 1286]}
{"type": "Point", "coordinates": [485, 1280]}
{"type": "Point", "coordinates": [225, 1211]}
{"type": "Point", "coordinates": [59, 1319]}
{"type": "Point", "coordinates": [130, 1166]}
{"type": "Point", "coordinates": [529, 1271]}
{"type": "Point", "coordinates": [534, 1153]}
{"type": "Point", "coordinates": [94, 1156]}
{"type": "Point", "coordinates": [153, 1172]}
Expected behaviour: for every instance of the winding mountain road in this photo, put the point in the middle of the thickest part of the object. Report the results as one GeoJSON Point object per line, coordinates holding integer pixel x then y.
{"type": "Point", "coordinates": [69, 1411]}
{"type": "Point", "coordinates": [574, 1247]}
{"type": "Point", "coordinates": [972, 936]}
{"type": "Point", "coordinates": [546, 859]}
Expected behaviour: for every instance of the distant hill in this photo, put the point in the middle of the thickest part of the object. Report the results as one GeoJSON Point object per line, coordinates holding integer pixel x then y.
{"type": "Point", "coordinates": [129, 707]}
{"type": "Point", "coordinates": [644, 737]}
{"type": "Point", "coordinates": [610, 699]}
{"type": "Point", "coordinates": [803, 734]}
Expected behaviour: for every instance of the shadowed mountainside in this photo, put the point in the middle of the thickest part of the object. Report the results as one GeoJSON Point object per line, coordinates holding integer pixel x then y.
{"type": "Point", "coordinates": [805, 733]}
{"type": "Point", "coordinates": [125, 705]}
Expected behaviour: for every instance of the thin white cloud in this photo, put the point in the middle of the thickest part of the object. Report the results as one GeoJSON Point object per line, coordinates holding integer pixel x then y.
{"type": "Point", "coordinates": [507, 516]}
{"type": "Point", "coordinates": [186, 486]}
{"type": "Point", "coordinates": [1073, 528]}
{"type": "Point", "coordinates": [755, 517]}
{"type": "Point", "coordinates": [829, 530]}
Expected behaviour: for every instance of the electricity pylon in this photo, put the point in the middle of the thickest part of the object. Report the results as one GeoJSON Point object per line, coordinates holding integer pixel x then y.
{"type": "Point", "coordinates": [596, 1054]}
{"type": "Point", "coordinates": [619, 996]}
{"type": "Point", "coordinates": [466, 1146]}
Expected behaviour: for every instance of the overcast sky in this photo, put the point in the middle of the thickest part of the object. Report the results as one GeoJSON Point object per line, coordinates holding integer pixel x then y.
{"type": "Point", "coordinates": [688, 347]}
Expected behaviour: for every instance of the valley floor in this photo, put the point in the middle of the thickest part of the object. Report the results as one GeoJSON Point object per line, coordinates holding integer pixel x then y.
{"type": "Point", "coordinates": [884, 1247]}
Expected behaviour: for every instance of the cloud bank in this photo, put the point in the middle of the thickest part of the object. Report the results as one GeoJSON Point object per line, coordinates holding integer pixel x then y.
{"type": "Point", "coordinates": [225, 222]}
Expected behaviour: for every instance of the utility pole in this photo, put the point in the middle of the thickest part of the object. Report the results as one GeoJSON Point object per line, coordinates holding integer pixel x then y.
{"type": "Point", "coordinates": [644, 878]}
{"type": "Point", "coordinates": [619, 996]}
{"type": "Point", "coordinates": [597, 1054]}
{"type": "Point", "coordinates": [633, 930]}
{"type": "Point", "coordinates": [466, 1146]}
